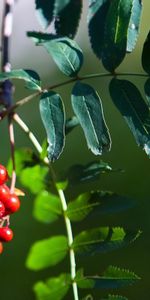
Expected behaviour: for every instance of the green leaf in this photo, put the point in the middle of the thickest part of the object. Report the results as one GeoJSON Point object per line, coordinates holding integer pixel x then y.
{"type": "Point", "coordinates": [53, 117]}
{"type": "Point", "coordinates": [53, 288]}
{"type": "Point", "coordinates": [115, 297]}
{"type": "Point", "coordinates": [43, 153]}
{"type": "Point", "coordinates": [97, 12]}
{"type": "Point", "coordinates": [91, 171]}
{"type": "Point", "coordinates": [133, 30]}
{"type": "Point", "coordinates": [66, 54]}
{"type": "Point", "coordinates": [47, 207]}
{"type": "Point", "coordinates": [31, 78]}
{"type": "Point", "coordinates": [46, 253]}
{"type": "Point", "coordinates": [44, 10]}
{"type": "Point", "coordinates": [67, 13]}
{"type": "Point", "coordinates": [113, 278]}
{"type": "Point", "coordinates": [71, 123]}
{"type": "Point", "coordinates": [34, 178]}
{"type": "Point", "coordinates": [145, 55]}
{"type": "Point", "coordinates": [147, 91]}
{"type": "Point", "coordinates": [103, 239]}
{"type": "Point", "coordinates": [99, 202]}
{"type": "Point", "coordinates": [115, 34]}
{"type": "Point", "coordinates": [87, 106]}
{"type": "Point", "coordinates": [133, 108]}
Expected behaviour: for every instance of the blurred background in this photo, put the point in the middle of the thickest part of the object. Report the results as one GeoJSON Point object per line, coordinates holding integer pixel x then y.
{"type": "Point", "coordinates": [15, 280]}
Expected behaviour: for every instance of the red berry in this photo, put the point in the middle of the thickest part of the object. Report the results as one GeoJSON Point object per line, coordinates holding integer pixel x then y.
{"type": "Point", "coordinates": [1, 248]}
{"type": "Point", "coordinates": [4, 193]}
{"type": "Point", "coordinates": [12, 204]}
{"type": "Point", "coordinates": [3, 174]}
{"type": "Point", "coordinates": [6, 234]}
{"type": "Point", "coordinates": [2, 209]}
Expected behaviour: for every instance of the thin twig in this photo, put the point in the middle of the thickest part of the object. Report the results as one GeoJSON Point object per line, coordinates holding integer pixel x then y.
{"type": "Point", "coordinates": [12, 148]}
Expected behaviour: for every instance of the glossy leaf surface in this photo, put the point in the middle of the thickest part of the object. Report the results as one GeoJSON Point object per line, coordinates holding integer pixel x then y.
{"type": "Point", "coordinates": [88, 108]}
{"type": "Point", "coordinates": [147, 91]}
{"type": "Point", "coordinates": [44, 10]}
{"type": "Point", "coordinates": [133, 30]}
{"type": "Point", "coordinates": [53, 117]}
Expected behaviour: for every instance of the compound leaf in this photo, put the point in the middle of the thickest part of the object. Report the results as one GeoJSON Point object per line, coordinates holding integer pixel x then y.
{"type": "Point", "coordinates": [133, 30]}
{"type": "Point", "coordinates": [102, 239]}
{"type": "Point", "coordinates": [44, 11]}
{"type": "Point", "coordinates": [53, 288]}
{"type": "Point", "coordinates": [47, 207]}
{"type": "Point", "coordinates": [87, 106]}
{"type": "Point", "coordinates": [47, 252]}
{"type": "Point", "coordinates": [133, 108]}
{"type": "Point", "coordinates": [53, 117]}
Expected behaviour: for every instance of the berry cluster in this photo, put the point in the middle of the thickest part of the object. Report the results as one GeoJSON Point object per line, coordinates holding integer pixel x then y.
{"type": "Point", "coordinates": [9, 204]}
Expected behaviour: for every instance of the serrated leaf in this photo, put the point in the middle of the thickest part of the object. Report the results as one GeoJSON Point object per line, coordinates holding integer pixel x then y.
{"type": "Point", "coordinates": [91, 171]}
{"type": "Point", "coordinates": [145, 55]}
{"type": "Point", "coordinates": [71, 123]}
{"type": "Point", "coordinates": [53, 117]}
{"type": "Point", "coordinates": [47, 207]}
{"type": "Point", "coordinates": [97, 12]}
{"type": "Point", "coordinates": [99, 202]}
{"type": "Point", "coordinates": [133, 108]}
{"type": "Point", "coordinates": [44, 10]}
{"type": "Point", "coordinates": [115, 34]}
{"type": "Point", "coordinates": [115, 297]}
{"type": "Point", "coordinates": [147, 91]}
{"type": "Point", "coordinates": [88, 108]}
{"type": "Point", "coordinates": [31, 78]}
{"type": "Point", "coordinates": [53, 288]}
{"type": "Point", "coordinates": [133, 30]}
{"type": "Point", "coordinates": [103, 239]}
{"type": "Point", "coordinates": [67, 16]}
{"type": "Point", "coordinates": [113, 278]}
{"type": "Point", "coordinates": [47, 252]}
{"type": "Point", "coordinates": [34, 178]}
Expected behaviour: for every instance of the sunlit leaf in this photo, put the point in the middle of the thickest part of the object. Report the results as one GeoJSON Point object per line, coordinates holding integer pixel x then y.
{"type": "Point", "coordinates": [53, 288]}
{"type": "Point", "coordinates": [133, 30]}
{"type": "Point", "coordinates": [112, 278]}
{"type": "Point", "coordinates": [67, 13]}
{"type": "Point", "coordinates": [47, 207]}
{"type": "Point", "coordinates": [103, 239]}
{"type": "Point", "coordinates": [71, 124]}
{"type": "Point", "coordinates": [99, 202]}
{"type": "Point", "coordinates": [47, 252]}
{"type": "Point", "coordinates": [115, 34]}
{"type": "Point", "coordinates": [53, 117]}
{"type": "Point", "coordinates": [31, 78]}
{"type": "Point", "coordinates": [145, 54]}
{"type": "Point", "coordinates": [97, 12]}
{"type": "Point", "coordinates": [88, 108]}
{"type": "Point", "coordinates": [133, 108]}
{"type": "Point", "coordinates": [44, 10]}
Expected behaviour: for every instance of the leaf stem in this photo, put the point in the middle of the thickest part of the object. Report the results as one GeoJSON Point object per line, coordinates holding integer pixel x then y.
{"type": "Point", "coordinates": [12, 149]}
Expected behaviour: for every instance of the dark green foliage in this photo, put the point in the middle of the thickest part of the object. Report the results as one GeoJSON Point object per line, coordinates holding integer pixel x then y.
{"type": "Point", "coordinates": [145, 55]}
{"type": "Point", "coordinates": [147, 91]}
{"type": "Point", "coordinates": [87, 106]}
{"type": "Point", "coordinates": [67, 18]}
{"type": "Point", "coordinates": [71, 123]}
{"type": "Point", "coordinates": [44, 10]}
{"type": "Point", "coordinates": [115, 297]}
{"type": "Point", "coordinates": [53, 117]}
{"type": "Point", "coordinates": [133, 108]}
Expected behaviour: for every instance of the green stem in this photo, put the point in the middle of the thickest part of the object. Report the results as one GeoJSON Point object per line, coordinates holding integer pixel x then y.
{"type": "Point", "coordinates": [61, 194]}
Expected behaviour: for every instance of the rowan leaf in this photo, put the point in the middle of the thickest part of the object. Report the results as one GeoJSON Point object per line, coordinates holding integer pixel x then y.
{"type": "Point", "coordinates": [133, 30]}
{"type": "Point", "coordinates": [145, 55]}
{"type": "Point", "coordinates": [44, 11]}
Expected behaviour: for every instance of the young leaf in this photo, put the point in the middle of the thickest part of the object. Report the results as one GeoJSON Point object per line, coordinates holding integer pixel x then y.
{"type": "Point", "coordinates": [103, 239]}
{"type": "Point", "coordinates": [87, 106]}
{"type": "Point", "coordinates": [99, 202]}
{"type": "Point", "coordinates": [131, 105]}
{"type": "Point", "coordinates": [71, 123]}
{"type": "Point", "coordinates": [34, 178]}
{"type": "Point", "coordinates": [47, 207]}
{"type": "Point", "coordinates": [115, 297]}
{"type": "Point", "coordinates": [113, 278]}
{"type": "Point", "coordinates": [147, 91]}
{"type": "Point", "coordinates": [145, 55]}
{"type": "Point", "coordinates": [133, 30]}
{"type": "Point", "coordinates": [66, 54]}
{"type": "Point", "coordinates": [53, 288]}
{"type": "Point", "coordinates": [67, 17]}
{"type": "Point", "coordinates": [31, 78]}
{"type": "Point", "coordinates": [97, 12]}
{"type": "Point", "coordinates": [115, 34]}
{"type": "Point", "coordinates": [47, 252]}
{"type": "Point", "coordinates": [44, 10]}
{"type": "Point", "coordinates": [53, 117]}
